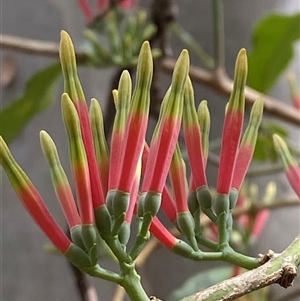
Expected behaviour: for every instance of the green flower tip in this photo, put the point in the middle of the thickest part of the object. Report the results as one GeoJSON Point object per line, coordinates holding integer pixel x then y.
{"type": "Point", "coordinates": [282, 148]}
{"type": "Point", "coordinates": [145, 63]}
{"type": "Point", "coordinates": [96, 112]}
{"type": "Point", "coordinates": [279, 143]}
{"type": "Point", "coordinates": [181, 69]}
{"type": "Point", "coordinates": [69, 112]}
{"type": "Point", "coordinates": [124, 89]}
{"type": "Point", "coordinates": [241, 69]}
{"type": "Point", "coordinates": [115, 97]}
{"type": "Point", "coordinates": [257, 111]}
{"type": "Point", "coordinates": [48, 146]}
{"type": "Point", "coordinates": [66, 49]}
{"type": "Point", "coordinates": [189, 92]}
{"type": "Point", "coordinates": [204, 115]}
{"type": "Point", "coordinates": [4, 151]}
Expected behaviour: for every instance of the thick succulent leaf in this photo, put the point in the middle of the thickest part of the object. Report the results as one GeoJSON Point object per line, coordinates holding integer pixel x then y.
{"type": "Point", "coordinates": [38, 95]}
{"type": "Point", "coordinates": [272, 49]}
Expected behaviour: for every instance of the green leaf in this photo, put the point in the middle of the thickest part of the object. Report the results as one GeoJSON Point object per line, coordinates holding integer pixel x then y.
{"type": "Point", "coordinates": [38, 95]}
{"type": "Point", "coordinates": [264, 149]}
{"type": "Point", "coordinates": [272, 50]}
{"type": "Point", "coordinates": [200, 281]}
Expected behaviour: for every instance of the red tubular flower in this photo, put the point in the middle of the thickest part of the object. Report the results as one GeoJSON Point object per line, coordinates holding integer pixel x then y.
{"type": "Point", "coordinates": [178, 179]}
{"type": "Point", "coordinates": [78, 160]}
{"type": "Point", "coordinates": [60, 181]}
{"type": "Point", "coordinates": [127, 4]}
{"type": "Point", "coordinates": [168, 205]}
{"type": "Point", "coordinates": [259, 223]}
{"type": "Point", "coordinates": [74, 89]}
{"type": "Point", "coordinates": [167, 129]}
{"type": "Point", "coordinates": [192, 136]}
{"type": "Point", "coordinates": [32, 200]}
{"type": "Point", "coordinates": [138, 120]}
{"type": "Point", "coordinates": [292, 169]}
{"type": "Point", "coordinates": [101, 148]}
{"type": "Point", "coordinates": [122, 102]}
{"type": "Point", "coordinates": [162, 233]}
{"type": "Point", "coordinates": [86, 9]}
{"type": "Point", "coordinates": [232, 127]}
{"type": "Point", "coordinates": [204, 122]}
{"type": "Point", "coordinates": [247, 145]}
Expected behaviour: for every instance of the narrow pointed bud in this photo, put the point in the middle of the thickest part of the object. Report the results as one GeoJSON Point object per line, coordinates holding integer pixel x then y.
{"type": "Point", "coordinates": [247, 145]}
{"type": "Point", "coordinates": [72, 84]}
{"type": "Point", "coordinates": [32, 200]}
{"type": "Point", "coordinates": [122, 98]}
{"type": "Point", "coordinates": [178, 180]}
{"type": "Point", "coordinates": [78, 160]}
{"type": "Point", "coordinates": [204, 121]}
{"type": "Point", "coordinates": [74, 89]}
{"type": "Point", "coordinates": [292, 169]}
{"type": "Point", "coordinates": [100, 144]}
{"type": "Point", "coordinates": [60, 182]}
{"type": "Point", "coordinates": [192, 136]}
{"type": "Point", "coordinates": [233, 124]}
{"type": "Point", "coordinates": [167, 129]}
{"type": "Point", "coordinates": [138, 119]}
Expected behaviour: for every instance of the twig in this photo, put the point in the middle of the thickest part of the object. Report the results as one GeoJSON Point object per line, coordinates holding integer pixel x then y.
{"type": "Point", "coordinates": [218, 81]}
{"type": "Point", "coordinates": [281, 269]}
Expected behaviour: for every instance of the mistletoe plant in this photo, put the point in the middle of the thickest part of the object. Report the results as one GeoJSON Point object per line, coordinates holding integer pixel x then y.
{"type": "Point", "coordinates": [127, 179]}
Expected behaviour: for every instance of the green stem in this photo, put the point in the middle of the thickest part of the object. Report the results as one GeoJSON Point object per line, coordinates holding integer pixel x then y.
{"type": "Point", "coordinates": [99, 272]}
{"type": "Point", "coordinates": [246, 262]}
{"type": "Point", "coordinates": [219, 37]}
{"type": "Point", "coordinates": [117, 248]}
{"type": "Point", "coordinates": [206, 242]}
{"type": "Point", "coordinates": [132, 283]}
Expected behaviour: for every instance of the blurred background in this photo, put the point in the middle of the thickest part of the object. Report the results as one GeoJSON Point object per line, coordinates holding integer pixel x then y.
{"type": "Point", "coordinates": [28, 271]}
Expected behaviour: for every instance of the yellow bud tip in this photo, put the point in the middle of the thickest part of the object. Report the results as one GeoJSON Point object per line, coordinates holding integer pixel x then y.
{"type": "Point", "coordinates": [69, 112]}
{"type": "Point", "coordinates": [183, 62]}
{"type": "Point", "coordinates": [279, 144]}
{"type": "Point", "coordinates": [48, 146]}
{"type": "Point", "coordinates": [66, 48]}
{"type": "Point", "coordinates": [115, 97]}
{"type": "Point", "coordinates": [96, 112]}
{"type": "Point", "coordinates": [257, 111]}
{"type": "Point", "coordinates": [3, 149]}
{"type": "Point", "coordinates": [241, 68]}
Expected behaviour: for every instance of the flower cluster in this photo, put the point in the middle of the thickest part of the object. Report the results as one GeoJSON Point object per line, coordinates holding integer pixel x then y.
{"type": "Point", "coordinates": [129, 177]}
